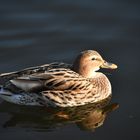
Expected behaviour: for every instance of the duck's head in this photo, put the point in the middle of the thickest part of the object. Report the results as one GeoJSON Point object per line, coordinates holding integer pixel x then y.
{"type": "Point", "coordinates": [90, 61]}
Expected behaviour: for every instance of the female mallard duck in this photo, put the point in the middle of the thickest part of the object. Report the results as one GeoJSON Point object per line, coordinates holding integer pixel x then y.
{"type": "Point", "coordinates": [59, 84]}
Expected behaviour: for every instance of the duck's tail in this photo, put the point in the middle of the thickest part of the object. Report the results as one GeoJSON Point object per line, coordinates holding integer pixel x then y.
{"type": "Point", "coordinates": [5, 94]}
{"type": "Point", "coordinates": [4, 91]}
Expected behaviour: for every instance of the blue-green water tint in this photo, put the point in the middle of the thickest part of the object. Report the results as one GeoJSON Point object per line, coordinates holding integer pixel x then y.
{"type": "Point", "coordinates": [38, 32]}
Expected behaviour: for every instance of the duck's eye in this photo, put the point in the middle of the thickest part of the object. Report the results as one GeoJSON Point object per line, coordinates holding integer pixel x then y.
{"type": "Point", "coordinates": [93, 58]}
{"type": "Point", "coordinates": [96, 124]}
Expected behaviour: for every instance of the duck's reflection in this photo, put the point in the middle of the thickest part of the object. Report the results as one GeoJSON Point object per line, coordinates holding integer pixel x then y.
{"type": "Point", "coordinates": [87, 117]}
{"type": "Point", "coordinates": [97, 117]}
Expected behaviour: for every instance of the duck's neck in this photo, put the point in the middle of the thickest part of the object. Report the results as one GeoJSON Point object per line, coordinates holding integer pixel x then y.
{"type": "Point", "coordinates": [84, 71]}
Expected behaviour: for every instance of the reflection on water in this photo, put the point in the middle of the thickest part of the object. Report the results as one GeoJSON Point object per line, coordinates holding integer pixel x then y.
{"type": "Point", "coordinates": [88, 117]}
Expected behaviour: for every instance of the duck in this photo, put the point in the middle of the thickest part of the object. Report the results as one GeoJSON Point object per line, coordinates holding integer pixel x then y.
{"type": "Point", "coordinates": [59, 84]}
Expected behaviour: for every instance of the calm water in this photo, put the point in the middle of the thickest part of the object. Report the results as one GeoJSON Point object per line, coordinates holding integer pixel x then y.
{"type": "Point", "coordinates": [42, 31]}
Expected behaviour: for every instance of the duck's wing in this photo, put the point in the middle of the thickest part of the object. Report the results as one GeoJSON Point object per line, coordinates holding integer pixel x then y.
{"type": "Point", "coordinates": [4, 77]}
{"type": "Point", "coordinates": [53, 79]}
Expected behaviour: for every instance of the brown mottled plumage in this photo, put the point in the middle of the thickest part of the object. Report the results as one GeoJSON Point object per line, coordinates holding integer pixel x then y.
{"type": "Point", "coordinates": [59, 84]}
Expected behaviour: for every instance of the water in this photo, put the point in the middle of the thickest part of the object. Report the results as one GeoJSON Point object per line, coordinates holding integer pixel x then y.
{"type": "Point", "coordinates": [42, 31]}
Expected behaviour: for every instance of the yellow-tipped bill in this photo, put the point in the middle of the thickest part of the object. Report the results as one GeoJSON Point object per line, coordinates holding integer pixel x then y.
{"type": "Point", "coordinates": [108, 65]}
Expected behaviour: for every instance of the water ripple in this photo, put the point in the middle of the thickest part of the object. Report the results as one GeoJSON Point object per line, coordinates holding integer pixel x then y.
{"type": "Point", "coordinates": [16, 43]}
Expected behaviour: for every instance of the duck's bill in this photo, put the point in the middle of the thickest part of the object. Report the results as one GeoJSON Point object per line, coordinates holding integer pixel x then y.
{"type": "Point", "coordinates": [108, 65]}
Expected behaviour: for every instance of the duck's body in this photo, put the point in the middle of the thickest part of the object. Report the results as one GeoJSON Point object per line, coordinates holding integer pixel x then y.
{"type": "Point", "coordinates": [58, 84]}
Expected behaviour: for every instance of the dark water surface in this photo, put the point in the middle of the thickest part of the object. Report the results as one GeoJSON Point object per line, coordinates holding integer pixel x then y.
{"type": "Point", "coordinates": [42, 31]}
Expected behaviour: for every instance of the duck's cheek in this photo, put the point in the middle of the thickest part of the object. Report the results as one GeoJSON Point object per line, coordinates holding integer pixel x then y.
{"type": "Point", "coordinates": [96, 69]}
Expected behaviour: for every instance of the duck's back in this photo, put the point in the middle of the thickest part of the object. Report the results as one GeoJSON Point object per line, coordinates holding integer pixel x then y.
{"type": "Point", "coordinates": [4, 77]}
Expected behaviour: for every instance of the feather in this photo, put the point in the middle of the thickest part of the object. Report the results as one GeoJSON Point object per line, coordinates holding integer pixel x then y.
{"type": "Point", "coordinates": [26, 85]}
